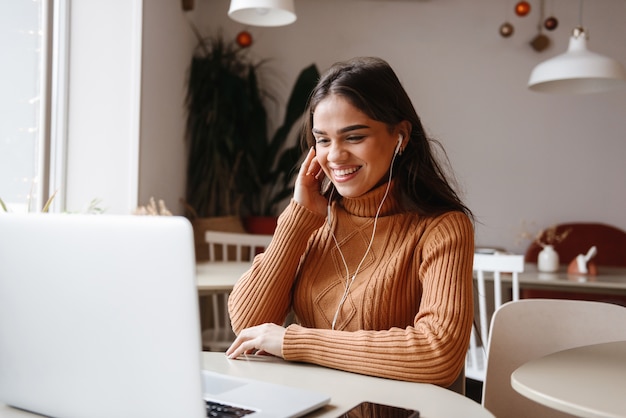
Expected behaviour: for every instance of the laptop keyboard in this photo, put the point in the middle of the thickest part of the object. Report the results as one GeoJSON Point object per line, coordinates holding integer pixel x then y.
{"type": "Point", "coordinates": [215, 409]}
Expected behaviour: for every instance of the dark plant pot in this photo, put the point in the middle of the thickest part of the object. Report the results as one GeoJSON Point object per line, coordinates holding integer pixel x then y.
{"type": "Point", "coordinates": [265, 225]}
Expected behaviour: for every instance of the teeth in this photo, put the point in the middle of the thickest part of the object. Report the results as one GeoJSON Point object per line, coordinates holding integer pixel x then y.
{"type": "Point", "coordinates": [345, 172]}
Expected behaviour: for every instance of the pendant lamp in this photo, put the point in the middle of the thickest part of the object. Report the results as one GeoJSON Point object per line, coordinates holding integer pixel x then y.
{"type": "Point", "coordinates": [263, 12]}
{"type": "Point", "coordinates": [578, 70]}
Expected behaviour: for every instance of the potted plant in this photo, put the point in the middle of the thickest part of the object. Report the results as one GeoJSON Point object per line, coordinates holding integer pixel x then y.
{"type": "Point", "coordinates": [224, 107]}
{"type": "Point", "coordinates": [234, 169]}
{"type": "Point", "coordinates": [270, 165]}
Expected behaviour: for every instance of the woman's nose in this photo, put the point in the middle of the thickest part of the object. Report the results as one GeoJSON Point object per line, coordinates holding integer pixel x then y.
{"type": "Point", "coordinates": [336, 152]}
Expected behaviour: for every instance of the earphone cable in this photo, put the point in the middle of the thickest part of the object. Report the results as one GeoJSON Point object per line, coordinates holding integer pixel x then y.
{"type": "Point", "coordinates": [349, 280]}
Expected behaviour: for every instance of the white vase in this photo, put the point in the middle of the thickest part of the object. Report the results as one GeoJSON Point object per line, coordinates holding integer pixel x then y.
{"type": "Point", "coordinates": [548, 259]}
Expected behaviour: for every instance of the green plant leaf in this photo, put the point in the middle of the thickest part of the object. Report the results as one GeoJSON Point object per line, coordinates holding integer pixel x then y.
{"type": "Point", "coordinates": [218, 101]}
{"type": "Point", "coordinates": [271, 166]}
{"type": "Point", "coordinates": [46, 207]}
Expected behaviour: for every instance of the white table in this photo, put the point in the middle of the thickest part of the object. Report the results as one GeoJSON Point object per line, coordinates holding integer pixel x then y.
{"type": "Point", "coordinates": [587, 381]}
{"type": "Point", "coordinates": [610, 280]}
{"type": "Point", "coordinates": [346, 389]}
{"type": "Point", "coordinates": [216, 277]}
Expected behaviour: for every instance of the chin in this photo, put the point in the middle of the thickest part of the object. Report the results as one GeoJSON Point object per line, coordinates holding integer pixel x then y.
{"type": "Point", "coordinates": [349, 192]}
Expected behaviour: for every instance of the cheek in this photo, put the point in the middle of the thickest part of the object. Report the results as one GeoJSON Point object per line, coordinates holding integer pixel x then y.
{"type": "Point", "coordinates": [321, 155]}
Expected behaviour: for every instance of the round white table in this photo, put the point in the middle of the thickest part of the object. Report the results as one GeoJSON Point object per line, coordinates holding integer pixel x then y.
{"type": "Point", "coordinates": [588, 381]}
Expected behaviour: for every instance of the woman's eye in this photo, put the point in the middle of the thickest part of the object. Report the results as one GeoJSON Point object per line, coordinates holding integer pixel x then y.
{"type": "Point", "coordinates": [321, 141]}
{"type": "Point", "coordinates": [355, 138]}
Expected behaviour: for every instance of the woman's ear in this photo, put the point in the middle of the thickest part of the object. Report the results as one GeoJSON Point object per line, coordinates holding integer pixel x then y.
{"type": "Point", "coordinates": [404, 129]}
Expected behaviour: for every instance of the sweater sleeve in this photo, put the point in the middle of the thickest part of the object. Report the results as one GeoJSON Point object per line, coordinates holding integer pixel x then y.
{"type": "Point", "coordinates": [433, 349]}
{"type": "Point", "coordinates": [263, 293]}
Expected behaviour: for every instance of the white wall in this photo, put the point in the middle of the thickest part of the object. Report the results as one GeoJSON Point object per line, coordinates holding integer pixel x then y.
{"type": "Point", "coordinates": [520, 156]}
{"type": "Point", "coordinates": [168, 44]}
{"type": "Point", "coordinates": [103, 119]}
{"type": "Point", "coordinates": [128, 64]}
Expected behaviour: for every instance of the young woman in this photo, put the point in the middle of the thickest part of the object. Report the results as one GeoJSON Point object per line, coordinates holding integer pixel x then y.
{"type": "Point", "coordinates": [374, 253]}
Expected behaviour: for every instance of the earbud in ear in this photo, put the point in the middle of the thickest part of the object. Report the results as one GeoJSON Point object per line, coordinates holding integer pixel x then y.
{"type": "Point", "coordinates": [400, 139]}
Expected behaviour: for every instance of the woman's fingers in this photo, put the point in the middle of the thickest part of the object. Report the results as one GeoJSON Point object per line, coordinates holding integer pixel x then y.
{"type": "Point", "coordinates": [308, 184]}
{"type": "Point", "coordinates": [309, 169]}
{"type": "Point", "coordinates": [265, 338]}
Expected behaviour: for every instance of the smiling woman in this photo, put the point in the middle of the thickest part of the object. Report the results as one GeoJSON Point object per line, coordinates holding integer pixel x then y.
{"type": "Point", "coordinates": [377, 267]}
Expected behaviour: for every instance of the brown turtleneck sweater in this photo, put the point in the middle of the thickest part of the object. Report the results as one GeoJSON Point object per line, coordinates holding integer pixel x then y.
{"type": "Point", "coordinates": [409, 310]}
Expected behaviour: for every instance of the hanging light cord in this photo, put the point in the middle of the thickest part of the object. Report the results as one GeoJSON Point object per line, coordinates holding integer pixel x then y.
{"type": "Point", "coordinates": [580, 14]}
{"type": "Point", "coordinates": [580, 31]}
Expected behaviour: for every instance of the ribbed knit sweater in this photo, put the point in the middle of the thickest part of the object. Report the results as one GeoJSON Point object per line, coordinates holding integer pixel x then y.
{"type": "Point", "coordinates": [409, 310]}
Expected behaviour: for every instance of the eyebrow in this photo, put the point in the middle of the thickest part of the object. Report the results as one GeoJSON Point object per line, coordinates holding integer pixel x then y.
{"type": "Point", "coordinates": [342, 130]}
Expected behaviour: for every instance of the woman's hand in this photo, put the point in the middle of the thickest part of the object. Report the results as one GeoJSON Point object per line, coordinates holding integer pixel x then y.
{"type": "Point", "coordinates": [265, 338]}
{"type": "Point", "coordinates": [308, 184]}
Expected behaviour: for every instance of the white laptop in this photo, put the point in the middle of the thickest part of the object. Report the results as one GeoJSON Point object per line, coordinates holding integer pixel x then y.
{"type": "Point", "coordinates": [99, 318]}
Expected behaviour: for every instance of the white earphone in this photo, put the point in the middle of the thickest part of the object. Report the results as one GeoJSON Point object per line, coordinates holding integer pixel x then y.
{"type": "Point", "coordinates": [350, 279]}
{"type": "Point", "coordinates": [400, 139]}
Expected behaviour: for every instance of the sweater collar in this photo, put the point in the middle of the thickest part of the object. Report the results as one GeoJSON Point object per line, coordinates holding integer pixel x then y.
{"type": "Point", "coordinates": [367, 205]}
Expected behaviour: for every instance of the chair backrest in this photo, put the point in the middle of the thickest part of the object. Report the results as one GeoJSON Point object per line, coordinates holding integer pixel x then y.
{"type": "Point", "coordinates": [495, 265]}
{"type": "Point", "coordinates": [223, 247]}
{"type": "Point", "coordinates": [235, 246]}
{"type": "Point", "coordinates": [532, 328]}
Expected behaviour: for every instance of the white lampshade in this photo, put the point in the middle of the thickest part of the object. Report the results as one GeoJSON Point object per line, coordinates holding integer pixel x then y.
{"type": "Point", "coordinates": [263, 12]}
{"type": "Point", "coordinates": [578, 70]}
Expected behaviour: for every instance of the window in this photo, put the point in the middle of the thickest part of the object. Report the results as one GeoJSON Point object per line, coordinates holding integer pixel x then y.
{"type": "Point", "coordinates": [48, 143]}
{"type": "Point", "coordinates": [22, 104]}
{"type": "Point", "coordinates": [33, 102]}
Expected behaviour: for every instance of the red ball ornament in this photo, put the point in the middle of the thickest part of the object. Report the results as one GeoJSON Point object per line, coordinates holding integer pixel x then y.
{"type": "Point", "coordinates": [522, 8]}
{"type": "Point", "coordinates": [244, 39]}
{"type": "Point", "coordinates": [551, 23]}
{"type": "Point", "coordinates": [506, 30]}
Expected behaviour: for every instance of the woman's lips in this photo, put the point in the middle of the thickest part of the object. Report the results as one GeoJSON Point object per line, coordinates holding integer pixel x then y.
{"type": "Point", "coordinates": [344, 174]}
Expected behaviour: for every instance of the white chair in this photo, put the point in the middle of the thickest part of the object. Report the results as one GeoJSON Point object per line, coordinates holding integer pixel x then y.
{"type": "Point", "coordinates": [532, 328]}
{"type": "Point", "coordinates": [495, 265]}
{"type": "Point", "coordinates": [226, 247]}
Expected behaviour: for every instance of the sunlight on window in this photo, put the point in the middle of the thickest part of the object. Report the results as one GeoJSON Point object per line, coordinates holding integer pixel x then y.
{"type": "Point", "coordinates": [21, 38]}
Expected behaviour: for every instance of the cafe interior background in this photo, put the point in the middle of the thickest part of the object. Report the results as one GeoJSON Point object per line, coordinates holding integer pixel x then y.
{"type": "Point", "coordinates": [524, 160]}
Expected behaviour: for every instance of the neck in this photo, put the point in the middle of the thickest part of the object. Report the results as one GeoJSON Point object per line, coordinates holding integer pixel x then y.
{"type": "Point", "coordinates": [367, 205]}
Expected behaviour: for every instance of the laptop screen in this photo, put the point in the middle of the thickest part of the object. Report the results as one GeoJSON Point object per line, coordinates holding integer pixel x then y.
{"type": "Point", "coordinates": [99, 316]}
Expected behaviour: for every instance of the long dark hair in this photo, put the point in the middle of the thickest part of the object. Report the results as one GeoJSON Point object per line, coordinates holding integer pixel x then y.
{"type": "Point", "coordinates": [372, 86]}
